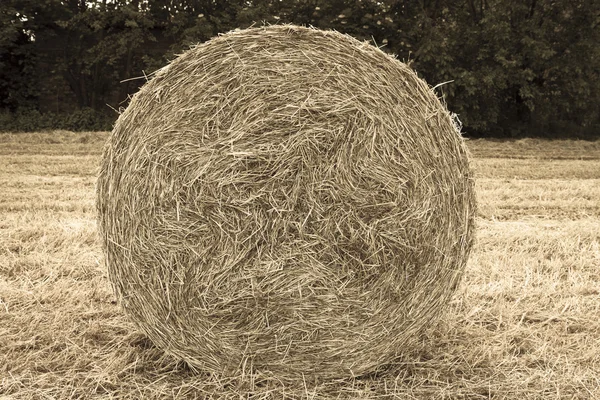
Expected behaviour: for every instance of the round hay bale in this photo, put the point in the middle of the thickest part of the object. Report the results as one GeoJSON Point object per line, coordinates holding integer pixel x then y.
{"type": "Point", "coordinates": [285, 201]}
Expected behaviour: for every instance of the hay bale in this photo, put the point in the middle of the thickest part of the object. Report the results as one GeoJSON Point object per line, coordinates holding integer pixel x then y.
{"type": "Point", "coordinates": [285, 201]}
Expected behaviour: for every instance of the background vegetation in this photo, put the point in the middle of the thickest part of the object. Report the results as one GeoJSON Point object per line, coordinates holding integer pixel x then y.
{"type": "Point", "coordinates": [508, 68]}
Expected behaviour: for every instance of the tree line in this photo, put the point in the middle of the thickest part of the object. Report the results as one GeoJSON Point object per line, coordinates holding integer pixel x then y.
{"type": "Point", "coordinates": [508, 68]}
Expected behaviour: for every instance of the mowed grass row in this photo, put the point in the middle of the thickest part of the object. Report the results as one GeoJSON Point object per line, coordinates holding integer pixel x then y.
{"type": "Point", "coordinates": [522, 325]}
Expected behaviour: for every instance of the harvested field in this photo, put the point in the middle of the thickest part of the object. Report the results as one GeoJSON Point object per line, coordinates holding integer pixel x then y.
{"type": "Point", "coordinates": [523, 324]}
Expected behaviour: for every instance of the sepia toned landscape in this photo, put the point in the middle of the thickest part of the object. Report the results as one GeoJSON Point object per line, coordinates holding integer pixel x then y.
{"type": "Point", "coordinates": [523, 324]}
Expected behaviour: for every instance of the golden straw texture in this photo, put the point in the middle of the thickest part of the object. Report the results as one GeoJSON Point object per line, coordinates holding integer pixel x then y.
{"type": "Point", "coordinates": [286, 202]}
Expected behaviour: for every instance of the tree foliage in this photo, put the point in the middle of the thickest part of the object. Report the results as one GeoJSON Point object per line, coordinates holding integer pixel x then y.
{"type": "Point", "coordinates": [506, 67]}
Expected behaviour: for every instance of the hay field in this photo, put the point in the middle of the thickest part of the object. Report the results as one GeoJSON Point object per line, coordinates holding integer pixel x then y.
{"type": "Point", "coordinates": [523, 325]}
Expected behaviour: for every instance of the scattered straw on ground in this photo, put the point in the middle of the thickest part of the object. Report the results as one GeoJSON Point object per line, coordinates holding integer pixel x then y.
{"type": "Point", "coordinates": [522, 325]}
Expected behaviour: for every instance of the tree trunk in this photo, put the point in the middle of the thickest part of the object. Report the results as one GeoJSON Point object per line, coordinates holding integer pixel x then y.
{"type": "Point", "coordinates": [127, 74]}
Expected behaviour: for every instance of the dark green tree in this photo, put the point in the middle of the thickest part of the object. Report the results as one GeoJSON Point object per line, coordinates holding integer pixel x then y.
{"type": "Point", "coordinates": [516, 68]}
{"type": "Point", "coordinates": [507, 67]}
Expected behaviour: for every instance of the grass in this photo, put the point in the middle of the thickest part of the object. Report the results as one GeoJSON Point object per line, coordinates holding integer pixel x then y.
{"type": "Point", "coordinates": [523, 325]}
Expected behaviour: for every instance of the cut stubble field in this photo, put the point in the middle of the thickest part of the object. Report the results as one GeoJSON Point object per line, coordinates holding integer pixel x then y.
{"type": "Point", "coordinates": [523, 324]}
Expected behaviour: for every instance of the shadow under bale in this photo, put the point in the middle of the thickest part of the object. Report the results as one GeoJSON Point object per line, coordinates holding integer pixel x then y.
{"type": "Point", "coordinates": [286, 202]}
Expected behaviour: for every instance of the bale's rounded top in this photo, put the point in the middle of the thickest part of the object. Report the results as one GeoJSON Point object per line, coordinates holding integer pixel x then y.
{"type": "Point", "coordinates": [286, 201]}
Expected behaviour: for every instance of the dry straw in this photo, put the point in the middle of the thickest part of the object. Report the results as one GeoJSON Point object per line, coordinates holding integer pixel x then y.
{"type": "Point", "coordinates": [285, 202]}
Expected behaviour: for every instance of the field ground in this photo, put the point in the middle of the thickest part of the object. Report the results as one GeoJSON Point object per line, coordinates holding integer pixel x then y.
{"type": "Point", "coordinates": [525, 323]}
